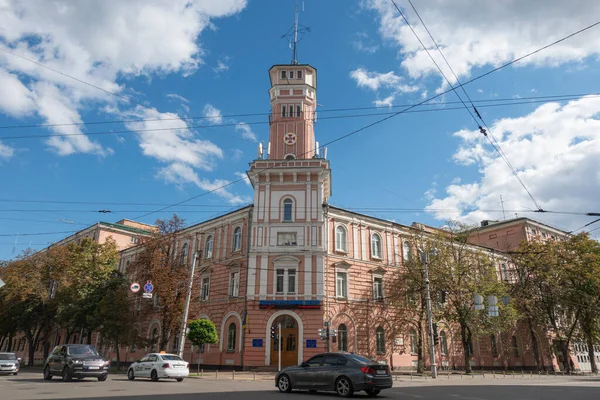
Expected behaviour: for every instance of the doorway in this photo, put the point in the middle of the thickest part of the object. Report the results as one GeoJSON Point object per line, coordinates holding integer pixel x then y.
{"type": "Point", "coordinates": [288, 346]}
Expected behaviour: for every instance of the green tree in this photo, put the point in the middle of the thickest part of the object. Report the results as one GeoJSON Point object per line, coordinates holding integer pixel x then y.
{"type": "Point", "coordinates": [202, 331]}
{"type": "Point", "coordinates": [463, 271]}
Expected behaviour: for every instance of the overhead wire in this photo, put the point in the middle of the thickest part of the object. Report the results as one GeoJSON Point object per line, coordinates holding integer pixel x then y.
{"type": "Point", "coordinates": [486, 131]}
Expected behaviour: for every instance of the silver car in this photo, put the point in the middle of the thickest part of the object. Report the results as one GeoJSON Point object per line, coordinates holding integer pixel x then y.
{"type": "Point", "coordinates": [342, 373]}
{"type": "Point", "coordinates": [9, 363]}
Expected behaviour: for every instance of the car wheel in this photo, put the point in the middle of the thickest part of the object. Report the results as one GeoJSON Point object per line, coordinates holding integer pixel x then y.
{"type": "Point", "coordinates": [343, 387]}
{"type": "Point", "coordinates": [130, 375]}
{"type": "Point", "coordinates": [283, 384]}
{"type": "Point", "coordinates": [66, 374]}
{"type": "Point", "coordinates": [373, 392]}
{"type": "Point", "coordinates": [102, 378]}
{"type": "Point", "coordinates": [47, 375]}
{"type": "Point", "coordinates": [179, 379]}
{"type": "Point", "coordinates": [154, 376]}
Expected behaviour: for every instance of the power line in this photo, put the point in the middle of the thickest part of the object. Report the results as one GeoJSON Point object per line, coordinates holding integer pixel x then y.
{"type": "Point", "coordinates": [123, 121]}
{"type": "Point", "coordinates": [186, 128]}
{"type": "Point", "coordinates": [36, 234]}
{"type": "Point", "coordinates": [485, 132]}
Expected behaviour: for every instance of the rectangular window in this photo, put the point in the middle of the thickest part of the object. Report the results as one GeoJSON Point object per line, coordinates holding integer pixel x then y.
{"type": "Point", "coordinates": [291, 108]}
{"type": "Point", "coordinates": [341, 284]}
{"type": "Point", "coordinates": [234, 284]}
{"type": "Point", "coordinates": [298, 110]}
{"type": "Point", "coordinates": [280, 279]}
{"type": "Point", "coordinates": [291, 74]}
{"type": "Point", "coordinates": [283, 74]}
{"type": "Point", "coordinates": [205, 288]}
{"type": "Point", "coordinates": [299, 75]}
{"type": "Point", "coordinates": [378, 288]}
{"type": "Point", "coordinates": [291, 281]}
{"type": "Point", "coordinates": [286, 239]}
{"type": "Point", "coordinates": [283, 111]}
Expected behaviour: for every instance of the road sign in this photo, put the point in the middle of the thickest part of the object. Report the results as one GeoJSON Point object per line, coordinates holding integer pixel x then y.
{"type": "Point", "coordinates": [135, 287]}
{"type": "Point", "coordinates": [148, 288]}
{"type": "Point", "coordinates": [147, 295]}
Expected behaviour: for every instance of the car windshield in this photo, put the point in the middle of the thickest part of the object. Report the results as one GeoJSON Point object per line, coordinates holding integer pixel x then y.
{"type": "Point", "coordinates": [361, 359]}
{"type": "Point", "coordinates": [166, 357]}
{"type": "Point", "coordinates": [7, 356]}
{"type": "Point", "coordinates": [83, 350]}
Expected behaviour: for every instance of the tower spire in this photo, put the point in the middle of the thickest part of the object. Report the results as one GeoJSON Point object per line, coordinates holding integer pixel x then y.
{"type": "Point", "coordinates": [294, 35]}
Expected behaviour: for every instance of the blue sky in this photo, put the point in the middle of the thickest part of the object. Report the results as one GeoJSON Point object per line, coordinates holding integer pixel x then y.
{"type": "Point", "coordinates": [210, 60]}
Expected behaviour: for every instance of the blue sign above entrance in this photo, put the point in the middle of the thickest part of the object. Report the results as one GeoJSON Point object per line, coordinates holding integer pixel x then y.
{"type": "Point", "coordinates": [257, 343]}
{"type": "Point", "coordinates": [290, 304]}
{"type": "Point", "coordinates": [311, 344]}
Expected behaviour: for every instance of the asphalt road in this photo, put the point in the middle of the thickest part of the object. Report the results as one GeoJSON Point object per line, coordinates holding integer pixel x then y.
{"type": "Point", "coordinates": [30, 385]}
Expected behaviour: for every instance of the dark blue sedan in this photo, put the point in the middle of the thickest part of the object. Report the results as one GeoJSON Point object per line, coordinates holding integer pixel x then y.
{"type": "Point", "coordinates": [342, 373]}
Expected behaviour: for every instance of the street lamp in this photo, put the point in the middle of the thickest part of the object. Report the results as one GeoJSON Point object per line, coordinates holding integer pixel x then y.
{"type": "Point", "coordinates": [187, 305]}
{"type": "Point", "coordinates": [425, 259]}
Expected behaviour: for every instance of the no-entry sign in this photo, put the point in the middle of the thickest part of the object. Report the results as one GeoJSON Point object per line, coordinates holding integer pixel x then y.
{"type": "Point", "coordinates": [135, 287]}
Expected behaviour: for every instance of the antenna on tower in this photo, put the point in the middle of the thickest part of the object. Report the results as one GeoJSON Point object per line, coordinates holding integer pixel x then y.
{"type": "Point", "coordinates": [296, 33]}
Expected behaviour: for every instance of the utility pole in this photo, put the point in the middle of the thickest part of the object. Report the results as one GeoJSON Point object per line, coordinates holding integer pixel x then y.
{"type": "Point", "coordinates": [280, 344]}
{"type": "Point", "coordinates": [429, 316]}
{"type": "Point", "coordinates": [187, 305]}
{"type": "Point", "coordinates": [327, 335]}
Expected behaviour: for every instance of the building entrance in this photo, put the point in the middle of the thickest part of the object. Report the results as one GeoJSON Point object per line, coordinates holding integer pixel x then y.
{"type": "Point", "coordinates": [288, 346]}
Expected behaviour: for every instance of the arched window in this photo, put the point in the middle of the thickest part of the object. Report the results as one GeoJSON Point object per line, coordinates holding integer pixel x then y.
{"type": "Point", "coordinates": [406, 251]}
{"type": "Point", "coordinates": [504, 272]}
{"type": "Point", "coordinates": [288, 206]}
{"type": "Point", "coordinates": [237, 239]}
{"type": "Point", "coordinates": [380, 340]}
{"type": "Point", "coordinates": [342, 338]}
{"type": "Point", "coordinates": [376, 245]}
{"type": "Point", "coordinates": [183, 254]}
{"type": "Point", "coordinates": [231, 337]}
{"type": "Point", "coordinates": [494, 346]}
{"type": "Point", "coordinates": [515, 346]}
{"type": "Point", "coordinates": [340, 238]}
{"type": "Point", "coordinates": [443, 343]}
{"type": "Point", "coordinates": [413, 341]}
{"type": "Point", "coordinates": [290, 157]}
{"type": "Point", "coordinates": [208, 247]}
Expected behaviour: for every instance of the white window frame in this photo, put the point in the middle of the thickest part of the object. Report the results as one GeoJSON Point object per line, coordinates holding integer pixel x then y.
{"type": "Point", "coordinates": [443, 343]}
{"type": "Point", "coordinates": [285, 202]}
{"type": "Point", "coordinates": [406, 254]}
{"type": "Point", "coordinates": [380, 340]}
{"type": "Point", "coordinates": [230, 341]}
{"type": "Point", "coordinates": [283, 109]}
{"type": "Point", "coordinates": [209, 244]}
{"type": "Point", "coordinates": [284, 74]}
{"type": "Point", "coordinates": [379, 254]}
{"type": "Point", "coordinates": [504, 273]}
{"type": "Point", "coordinates": [184, 252]}
{"type": "Point", "coordinates": [341, 244]}
{"type": "Point", "coordinates": [204, 293]}
{"type": "Point", "coordinates": [236, 244]}
{"type": "Point", "coordinates": [234, 283]}
{"type": "Point", "coordinates": [291, 74]}
{"type": "Point", "coordinates": [298, 110]}
{"type": "Point", "coordinates": [341, 291]}
{"type": "Point", "coordinates": [413, 341]}
{"type": "Point", "coordinates": [299, 74]}
{"type": "Point", "coordinates": [378, 296]}
{"type": "Point", "coordinates": [285, 277]}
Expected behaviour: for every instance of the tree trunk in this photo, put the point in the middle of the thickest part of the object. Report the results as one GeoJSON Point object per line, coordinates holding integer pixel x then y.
{"type": "Point", "coordinates": [590, 345]}
{"type": "Point", "coordinates": [465, 335]}
{"type": "Point", "coordinates": [535, 346]}
{"type": "Point", "coordinates": [10, 342]}
{"type": "Point", "coordinates": [420, 350]}
{"type": "Point", "coordinates": [89, 336]}
{"type": "Point", "coordinates": [118, 354]}
{"type": "Point", "coordinates": [2, 340]}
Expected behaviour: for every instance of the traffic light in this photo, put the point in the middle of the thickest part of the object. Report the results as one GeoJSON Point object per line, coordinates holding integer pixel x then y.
{"type": "Point", "coordinates": [436, 339]}
{"type": "Point", "coordinates": [273, 332]}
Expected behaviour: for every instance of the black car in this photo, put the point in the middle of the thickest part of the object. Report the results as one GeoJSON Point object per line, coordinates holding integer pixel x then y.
{"type": "Point", "coordinates": [76, 361]}
{"type": "Point", "coordinates": [343, 373]}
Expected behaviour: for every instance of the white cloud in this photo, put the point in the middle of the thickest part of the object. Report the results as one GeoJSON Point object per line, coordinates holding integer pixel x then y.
{"type": "Point", "coordinates": [222, 65]}
{"type": "Point", "coordinates": [178, 148]}
{"type": "Point", "coordinates": [6, 151]}
{"type": "Point", "coordinates": [212, 114]}
{"type": "Point", "coordinates": [387, 102]}
{"type": "Point", "coordinates": [555, 150]}
{"type": "Point", "coordinates": [244, 176]}
{"type": "Point", "coordinates": [174, 96]}
{"type": "Point", "coordinates": [98, 42]}
{"type": "Point", "coordinates": [506, 30]}
{"type": "Point", "coordinates": [362, 43]}
{"type": "Point", "coordinates": [247, 133]}
{"type": "Point", "coordinates": [376, 80]}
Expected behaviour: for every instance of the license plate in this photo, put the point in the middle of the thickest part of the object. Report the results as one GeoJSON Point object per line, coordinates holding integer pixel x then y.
{"type": "Point", "coordinates": [178, 366]}
{"type": "Point", "coordinates": [93, 367]}
{"type": "Point", "coordinates": [380, 372]}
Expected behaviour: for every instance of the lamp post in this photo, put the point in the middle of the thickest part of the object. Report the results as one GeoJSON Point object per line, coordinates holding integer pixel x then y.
{"type": "Point", "coordinates": [425, 259]}
{"type": "Point", "coordinates": [187, 305]}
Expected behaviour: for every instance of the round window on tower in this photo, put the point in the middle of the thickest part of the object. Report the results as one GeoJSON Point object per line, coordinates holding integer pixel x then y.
{"type": "Point", "coordinates": [289, 157]}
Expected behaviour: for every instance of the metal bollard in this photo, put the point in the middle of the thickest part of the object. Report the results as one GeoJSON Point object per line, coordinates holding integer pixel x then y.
{"type": "Point", "coordinates": [494, 373]}
{"type": "Point", "coordinates": [448, 374]}
{"type": "Point", "coordinates": [522, 373]}
{"type": "Point", "coordinates": [233, 375]}
{"type": "Point", "coordinates": [217, 374]}
{"type": "Point", "coordinates": [201, 372]}
{"type": "Point", "coordinates": [531, 374]}
{"type": "Point", "coordinates": [461, 375]}
{"type": "Point", "coordinates": [504, 373]}
{"type": "Point", "coordinates": [254, 375]}
{"type": "Point", "coordinates": [411, 376]}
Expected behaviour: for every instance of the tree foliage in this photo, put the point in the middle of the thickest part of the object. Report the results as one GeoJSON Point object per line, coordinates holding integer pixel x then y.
{"type": "Point", "coordinates": [202, 331]}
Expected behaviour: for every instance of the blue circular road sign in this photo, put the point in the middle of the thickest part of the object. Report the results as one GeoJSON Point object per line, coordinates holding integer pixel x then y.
{"type": "Point", "coordinates": [148, 287]}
